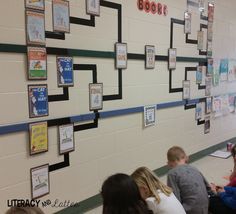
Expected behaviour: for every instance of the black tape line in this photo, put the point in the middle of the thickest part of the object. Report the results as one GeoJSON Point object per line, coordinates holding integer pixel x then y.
{"type": "Point", "coordinates": [189, 69]}
{"type": "Point", "coordinates": [79, 21]}
{"type": "Point", "coordinates": [187, 107]}
{"type": "Point", "coordinates": [173, 90]}
{"type": "Point", "coordinates": [161, 58]}
{"type": "Point", "coordinates": [202, 17]}
{"type": "Point", "coordinates": [87, 67]}
{"type": "Point", "coordinates": [202, 63]}
{"type": "Point", "coordinates": [61, 165]}
{"type": "Point", "coordinates": [58, 51]}
{"type": "Point", "coordinates": [54, 35]}
{"type": "Point", "coordinates": [59, 97]}
{"type": "Point", "coordinates": [119, 8]}
{"type": "Point", "coordinates": [202, 53]}
{"type": "Point", "coordinates": [92, 125]}
{"type": "Point", "coordinates": [201, 87]}
{"type": "Point", "coordinates": [136, 56]}
{"type": "Point", "coordinates": [200, 122]}
{"type": "Point", "coordinates": [203, 26]}
{"type": "Point", "coordinates": [58, 122]}
{"type": "Point", "coordinates": [190, 41]}
{"type": "Point", "coordinates": [119, 95]}
{"type": "Point", "coordinates": [202, 100]}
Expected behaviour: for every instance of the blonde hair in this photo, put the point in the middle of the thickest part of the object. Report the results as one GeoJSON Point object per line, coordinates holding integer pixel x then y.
{"type": "Point", "coordinates": [176, 153]}
{"type": "Point", "coordinates": [144, 177]}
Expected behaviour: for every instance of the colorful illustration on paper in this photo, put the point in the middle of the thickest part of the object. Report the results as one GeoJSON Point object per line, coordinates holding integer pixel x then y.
{"type": "Point", "coordinates": [232, 70]}
{"type": "Point", "coordinates": [65, 71]}
{"type": "Point", "coordinates": [210, 66]}
{"type": "Point", "coordinates": [38, 137]}
{"type": "Point", "coordinates": [232, 102]}
{"type": "Point", "coordinates": [225, 104]}
{"type": "Point", "coordinates": [224, 69]}
{"type": "Point", "coordinates": [216, 73]}
{"type": "Point", "coordinates": [38, 100]}
{"type": "Point", "coordinates": [217, 106]}
{"type": "Point", "coordinates": [198, 111]}
{"type": "Point", "coordinates": [208, 105]}
{"type": "Point", "coordinates": [37, 63]}
{"type": "Point", "coordinates": [34, 4]}
{"type": "Point", "coordinates": [199, 75]}
{"type": "Point", "coordinates": [121, 55]}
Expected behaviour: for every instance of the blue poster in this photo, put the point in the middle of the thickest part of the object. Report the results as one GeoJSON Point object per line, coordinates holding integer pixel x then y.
{"type": "Point", "coordinates": [199, 75]}
{"type": "Point", "coordinates": [224, 65]}
{"type": "Point", "coordinates": [65, 71]}
{"type": "Point", "coordinates": [210, 66]}
{"type": "Point", "coordinates": [38, 100]}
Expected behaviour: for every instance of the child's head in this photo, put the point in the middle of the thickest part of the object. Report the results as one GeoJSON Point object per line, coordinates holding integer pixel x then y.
{"type": "Point", "coordinates": [176, 156]}
{"type": "Point", "coordinates": [148, 183]}
{"type": "Point", "coordinates": [24, 210]}
{"type": "Point", "coordinates": [121, 195]}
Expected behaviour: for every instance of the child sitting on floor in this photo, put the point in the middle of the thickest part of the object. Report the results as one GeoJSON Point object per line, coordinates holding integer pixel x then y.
{"type": "Point", "coordinates": [188, 184]}
{"type": "Point", "coordinates": [159, 197]}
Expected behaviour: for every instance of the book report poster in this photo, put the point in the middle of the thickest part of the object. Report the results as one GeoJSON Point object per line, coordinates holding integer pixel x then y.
{"type": "Point", "coordinates": [149, 115]}
{"type": "Point", "coordinates": [38, 100]}
{"type": "Point", "coordinates": [95, 96]}
{"type": "Point", "coordinates": [38, 137]}
{"type": "Point", "coordinates": [150, 56]}
{"type": "Point", "coordinates": [40, 181]}
{"type": "Point", "coordinates": [37, 63]}
{"type": "Point", "coordinates": [61, 16]}
{"type": "Point", "coordinates": [66, 136]}
{"type": "Point", "coordinates": [35, 26]}
{"type": "Point", "coordinates": [65, 71]}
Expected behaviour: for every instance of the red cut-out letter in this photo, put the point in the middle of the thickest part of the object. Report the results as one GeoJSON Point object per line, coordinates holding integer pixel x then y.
{"type": "Point", "coordinates": [140, 4]}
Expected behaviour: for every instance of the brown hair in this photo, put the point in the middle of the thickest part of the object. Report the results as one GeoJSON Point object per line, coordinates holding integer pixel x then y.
{"type": "Point", "coordinates": [144, 177]}
{"type": "Point", "coordinates": [176, 153]}
{"type": "Point", "coordinates": [24, 210]}
{"type": "Point", "coordinates": [233, 151]}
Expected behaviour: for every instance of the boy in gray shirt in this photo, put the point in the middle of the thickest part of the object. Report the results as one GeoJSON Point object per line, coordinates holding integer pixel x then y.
{"type": "Point", "coordinates": [188, 184]}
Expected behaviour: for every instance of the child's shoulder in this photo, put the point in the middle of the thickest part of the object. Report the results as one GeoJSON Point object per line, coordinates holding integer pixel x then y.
{"type": "Point", "coordinates": [182, 168]}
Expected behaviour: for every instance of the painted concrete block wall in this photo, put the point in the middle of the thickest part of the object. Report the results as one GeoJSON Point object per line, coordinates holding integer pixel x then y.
{"type": "Point", "coordinates": [119, 144]}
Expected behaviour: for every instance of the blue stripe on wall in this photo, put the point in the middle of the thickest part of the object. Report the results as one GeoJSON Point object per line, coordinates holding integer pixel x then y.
{"type": "Point", "coordinates": [91, 116]}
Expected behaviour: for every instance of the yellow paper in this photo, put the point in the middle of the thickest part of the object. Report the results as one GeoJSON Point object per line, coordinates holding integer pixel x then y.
{"type": "Point", "coordinates": [39, 137]}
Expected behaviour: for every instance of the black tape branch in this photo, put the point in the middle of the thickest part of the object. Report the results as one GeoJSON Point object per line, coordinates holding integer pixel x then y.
{"type": "Point", "coordinates": [92, 125]}
{"type": "Point", "coordinates": [62, 164]}
{"type": "Point", "coordinates": [59, 97]}
{"type": "Point", "coordinates": [54, 35]}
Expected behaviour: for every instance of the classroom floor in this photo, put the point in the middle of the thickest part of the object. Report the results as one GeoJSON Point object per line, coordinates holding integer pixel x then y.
{"type": "Point", "coordinates": [214, 169]}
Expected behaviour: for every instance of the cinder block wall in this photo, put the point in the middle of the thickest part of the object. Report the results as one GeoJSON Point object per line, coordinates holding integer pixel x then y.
{"type": "Point", "coordinates": [119, 144]}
